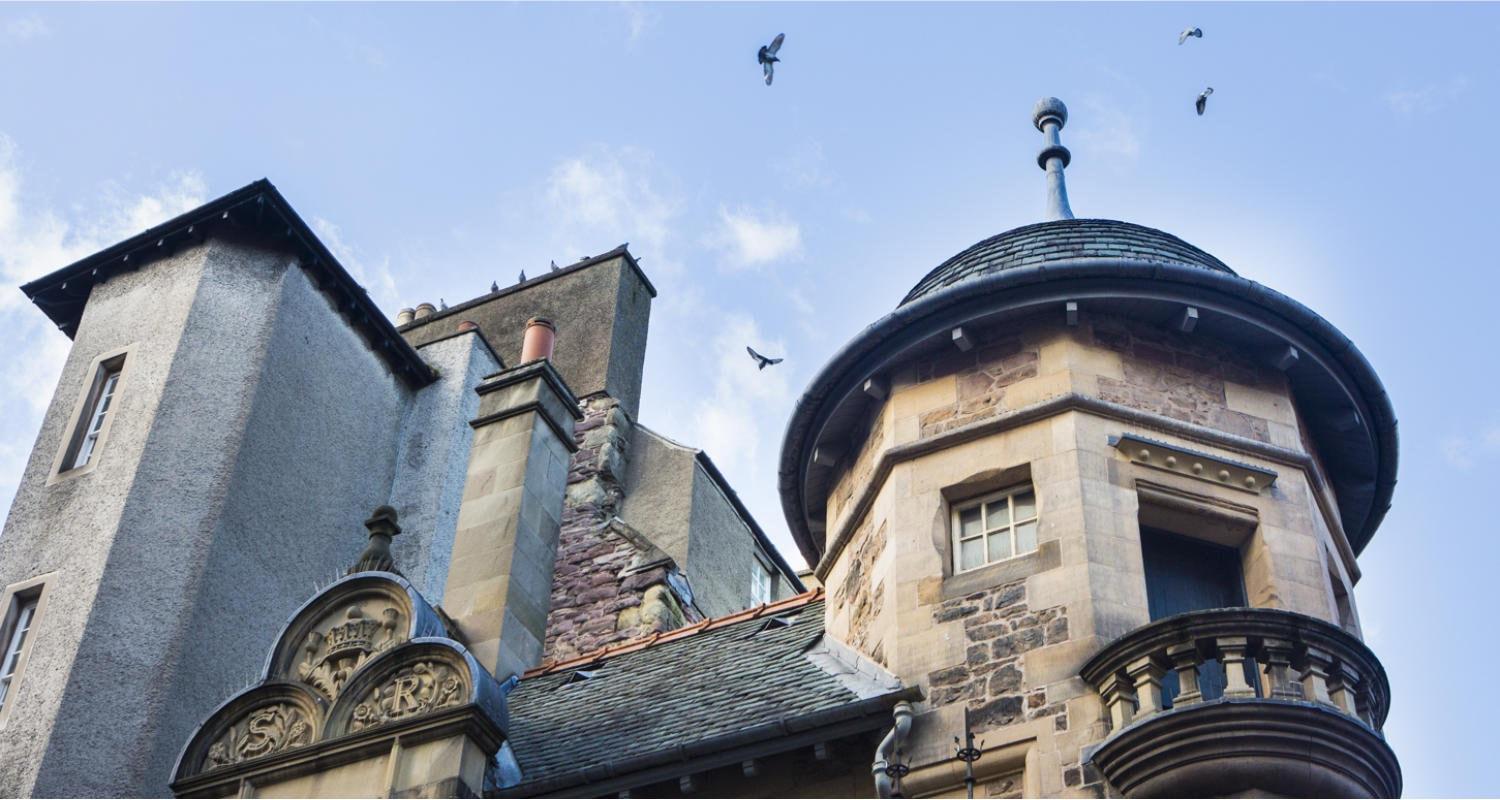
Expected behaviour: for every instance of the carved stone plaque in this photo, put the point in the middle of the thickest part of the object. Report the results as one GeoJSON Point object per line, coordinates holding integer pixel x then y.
{"type": "Point", "coordinates": [262, 732]}
{"type": "Point", "coordinates": [421, 688]}
{"type": "Point", "coordinates": [339, 645]}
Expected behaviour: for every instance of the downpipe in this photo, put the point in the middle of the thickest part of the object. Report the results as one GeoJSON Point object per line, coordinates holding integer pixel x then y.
{"type": "Point", "coordinates": [889, 747]}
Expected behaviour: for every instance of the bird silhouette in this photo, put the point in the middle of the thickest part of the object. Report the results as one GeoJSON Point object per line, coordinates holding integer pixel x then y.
{"type": "Point", "coordinates": [494, 286]}
{"type": "Point", "coordinates": [1189, 33]}
{"type": "Point", "coordinates": [1203, 100]}
{"type": "Point", "coordinates": [554, 266]}
{"type": "Point", "coordinates": [767, 57]}
{"type": "Point", "coordinates": [760, 359]}
{"type": "Point", "coordinates": [442, 304]}
{"type": "Point", "coordinates": [522, 279]}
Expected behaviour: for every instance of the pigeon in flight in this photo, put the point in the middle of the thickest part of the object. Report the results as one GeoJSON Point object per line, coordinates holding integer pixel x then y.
{"type": "Point", "coordinates": [1189, 33]}
{"type": "Point", "coordinates": [522, 279]}
{"type": "Point", "coordinates": [1203, 100]}
{"type": "Point", "coordinates": [767, 57]}
{"type": "Point", "coordinates": [760, 359]}
{"type": "Point", "coordinates": [494, 286]}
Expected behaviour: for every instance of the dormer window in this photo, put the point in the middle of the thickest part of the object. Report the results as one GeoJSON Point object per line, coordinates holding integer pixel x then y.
{"type": "Point", "coordinates": [994, 528]}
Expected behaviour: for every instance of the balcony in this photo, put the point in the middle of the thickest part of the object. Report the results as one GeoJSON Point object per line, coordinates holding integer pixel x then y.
{"type": "Point", "coordinates": [1243, 702]}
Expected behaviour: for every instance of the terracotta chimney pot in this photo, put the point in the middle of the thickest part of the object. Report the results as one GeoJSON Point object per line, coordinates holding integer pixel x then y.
{"type": "Point", "coordinates": [540, 335]}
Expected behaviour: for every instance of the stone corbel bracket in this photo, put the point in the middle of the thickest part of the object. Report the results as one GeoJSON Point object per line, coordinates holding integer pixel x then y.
{"type": "Point", "coordinates": [1193, 464]}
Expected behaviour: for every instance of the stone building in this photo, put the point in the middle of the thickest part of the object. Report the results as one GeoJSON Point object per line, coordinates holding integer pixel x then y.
{"type": "Point", "coordinates": [1082, 517]}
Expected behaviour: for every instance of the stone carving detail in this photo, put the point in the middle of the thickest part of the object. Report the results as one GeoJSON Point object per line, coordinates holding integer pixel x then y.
{"type": "Point", "coordinates": [262, 732]}
{"type": "Point", "coordinates": [332, 655]}
{"type": "Point", "coordinates": [421, 688]}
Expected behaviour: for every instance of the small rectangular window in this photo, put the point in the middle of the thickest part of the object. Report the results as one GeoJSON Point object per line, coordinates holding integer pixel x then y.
{"type": "Point", "coordinates": [90, 425]}
{"type": "Point", "coordinates": [994, 527]}
{"type": "Point", "coordinates": [760, 585]}
{"type": "Point", "coordinates": [15, 642]}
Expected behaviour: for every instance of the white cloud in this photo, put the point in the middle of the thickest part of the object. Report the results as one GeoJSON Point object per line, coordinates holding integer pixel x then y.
{"type": "Point", "coordinates": [1463, 452]}
{"type": "Point", "coordinates": [1107, 131]}
{"type": "Point", "coordinates": [610, 196]}
{"type": "Point", "coordinates": [1426, 99]}
{"type": "Point", "coordinates": [640, 18]}
{"type": "Point", "coordinates": [805, 167]}
{"type": "Point", "coordinates": [35, 240]}
{"type": "Point", "coordinates": [374, 276]}
{"type": "Point", "coordinates": [748, 239]}
{"type": "Point", "coordinates": [25, 28]}
{"type": "Point", "coordinates": [734, 421]}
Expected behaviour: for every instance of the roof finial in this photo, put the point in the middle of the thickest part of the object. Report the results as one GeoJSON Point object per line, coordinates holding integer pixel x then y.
{"type": "Point", "coordinates": [377, 554]}
{"type": "Point", "coordinates": [1049, 116]}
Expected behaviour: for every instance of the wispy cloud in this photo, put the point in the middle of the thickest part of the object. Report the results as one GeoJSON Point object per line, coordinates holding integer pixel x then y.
{"type": "Point", "coordinates": [748, 239]}
{"type": "Point", "coordinates": [35, 240]}
{"type": "Point", "coordinates": [21, 29]}
{"type": "Point", "coordinates": [373, 275]}
{"type": "Point", "coordinates": [1107, 131]}
{"type": "Point", "coordinates": [1464, 452]}
{"type": "Point", "coordinates": [639, 18]}
{"type": "Point", "coordinates": [1426, 99]}
{"type": "Point", "coordinates": [609, 196]}
{"type": "Point", "coordinates": [806, 167]}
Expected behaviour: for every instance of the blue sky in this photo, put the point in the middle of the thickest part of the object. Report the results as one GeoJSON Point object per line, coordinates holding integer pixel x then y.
{"type": "Point", "coordinates": [1347, 159]}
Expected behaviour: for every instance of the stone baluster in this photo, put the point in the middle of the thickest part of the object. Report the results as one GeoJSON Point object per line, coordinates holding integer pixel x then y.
{"type": "Point", "coordinates": [1232, 652]}
{"type": "Point", "coordinates": [1146, 673]}
{"type": "Point", "coordinates": [1315, 675]}
{"type": "Point", "coordinates": [1277, 653]}
{"type": "Point", "coordinates": [1185, 659]}
{"type": "Point", "coordinates": [1342, 684]}
{"type": "Point", "coordinates": [1364, 701]}
{"type": "Point", "coordinates": [1119, 697]}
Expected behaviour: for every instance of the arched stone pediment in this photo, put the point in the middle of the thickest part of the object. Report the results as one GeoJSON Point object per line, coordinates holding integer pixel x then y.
{"type": "Point", "coordinates": [366, 652]}
{"type": "Point", "coordinates": [334, 634]}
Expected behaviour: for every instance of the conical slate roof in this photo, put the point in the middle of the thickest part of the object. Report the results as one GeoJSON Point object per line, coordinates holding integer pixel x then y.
{"type": "Point", "coordinates": [1063, 241]}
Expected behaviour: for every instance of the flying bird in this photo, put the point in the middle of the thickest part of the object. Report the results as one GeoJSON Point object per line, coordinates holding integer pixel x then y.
{"type": "Point", "coordinates": [1189, 33]}
{"type": "Point", "coordinates": [760, 359]}
{"type": "Point", "coordinates": [1203, 100]}
{"type": "Point", "coordinates": [522, 279]}
{"type": "Point", "coordinates": [494, 286]}
{"type": "Point", "coordinates": [767, 57]}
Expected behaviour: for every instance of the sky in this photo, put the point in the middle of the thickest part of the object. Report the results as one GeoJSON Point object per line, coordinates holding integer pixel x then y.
{"type": "Point", "coordinates": [1347, 159]}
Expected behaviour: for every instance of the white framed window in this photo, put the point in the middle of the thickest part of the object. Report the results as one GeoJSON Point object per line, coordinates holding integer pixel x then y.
{"type": "Point", "coordinates": [760, 584]}
{"type": "Point", "coordinates": [15, 633]}
{"type": "Point", "coordinates": [994, 527]}
{"type": "Point", "coordinates": [92, 416]}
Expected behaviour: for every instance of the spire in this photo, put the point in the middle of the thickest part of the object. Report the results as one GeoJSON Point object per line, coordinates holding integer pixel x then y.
{"type": "Point", "coordinates": [377, 554]}
{"type": "Point", "coordinates": [1049, 116]}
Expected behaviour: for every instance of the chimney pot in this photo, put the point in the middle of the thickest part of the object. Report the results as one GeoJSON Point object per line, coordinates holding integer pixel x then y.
{"type": "Point", "coordinates": [425, 310]}
{"type": "Point", "coordinates": [405, 316]}
{"type": "Point", "coordinates": [538, 341]}
{"type": "Point", "coordinates": [465, 326]}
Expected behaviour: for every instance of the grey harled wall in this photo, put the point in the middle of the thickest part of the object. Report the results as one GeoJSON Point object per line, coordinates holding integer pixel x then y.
{"type": "Point", "coordinates": [433, 460]}
{"type": "Point", "coordinates": [276, 434]}
{"type": "Point", "coordinates": [674, 502]}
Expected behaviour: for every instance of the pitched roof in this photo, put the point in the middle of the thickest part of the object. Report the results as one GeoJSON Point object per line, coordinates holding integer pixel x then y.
{"type": "Point", "coordinates": [259, 208]}
{"type": "Point", "coordinates": [710, 687]}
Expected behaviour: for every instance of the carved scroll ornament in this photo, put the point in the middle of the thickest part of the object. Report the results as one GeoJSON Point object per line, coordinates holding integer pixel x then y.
{"type": "Point", "coordinates": [421, 688]}
{"type": "Point", "coordinates": [262, 732]}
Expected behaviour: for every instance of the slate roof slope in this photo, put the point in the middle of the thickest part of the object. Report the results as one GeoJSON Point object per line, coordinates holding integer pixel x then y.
{"type": "Point", "coordinates": [1064, 240]}
{"type": "Point", "coordinates": [680, 692]}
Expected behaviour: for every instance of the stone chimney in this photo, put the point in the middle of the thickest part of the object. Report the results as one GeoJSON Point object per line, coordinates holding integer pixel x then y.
{"type": "Point", "coordinates": [500, 579]}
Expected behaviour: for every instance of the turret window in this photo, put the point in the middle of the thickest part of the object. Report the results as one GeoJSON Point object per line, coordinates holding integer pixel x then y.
{"type": "Point", "coordinates": [93, 416]}
{"type": "Point", "coordinates": [994, 528]}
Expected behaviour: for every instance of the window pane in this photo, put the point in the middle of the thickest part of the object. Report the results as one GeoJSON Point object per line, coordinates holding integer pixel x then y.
{"type": "Point", "coordinates": [1026, 537]}
{"type": "Point", "coordinates": [969, 523]}
{"type": "Point", "coordinates": [997, 514]}
{"type": "Point", "coordinates": [999, 545]}
{"type": "Point", "coordinates": [972, 554]}
{"type": "Point", "coordinates": [1025, 505]}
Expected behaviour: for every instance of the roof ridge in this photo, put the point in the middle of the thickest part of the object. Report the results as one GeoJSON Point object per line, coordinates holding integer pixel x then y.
{"type": "Point", "coordinates": [660, 637]}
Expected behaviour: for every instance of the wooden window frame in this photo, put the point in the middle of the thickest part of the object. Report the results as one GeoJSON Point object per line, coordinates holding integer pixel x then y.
{"type": "Point", "coordinates": [955, 526]}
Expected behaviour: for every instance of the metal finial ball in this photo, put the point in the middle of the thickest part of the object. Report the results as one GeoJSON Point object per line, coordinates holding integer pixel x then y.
{"type": "Point", "coordinates": [1049, 107]}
